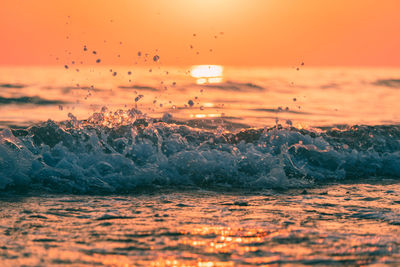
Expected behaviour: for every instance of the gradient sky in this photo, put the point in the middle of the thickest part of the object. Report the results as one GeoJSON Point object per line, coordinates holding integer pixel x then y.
{"type": "Point", "coordinates": [239, 32]}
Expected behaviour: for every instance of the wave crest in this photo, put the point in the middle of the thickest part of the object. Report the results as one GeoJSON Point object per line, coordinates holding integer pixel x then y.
{"type": "Point", "coordinates": [122, 152]}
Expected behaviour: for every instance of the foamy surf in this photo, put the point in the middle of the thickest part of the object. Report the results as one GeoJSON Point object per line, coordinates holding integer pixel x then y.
{"type": "Point", "coordinates": [123, 152]}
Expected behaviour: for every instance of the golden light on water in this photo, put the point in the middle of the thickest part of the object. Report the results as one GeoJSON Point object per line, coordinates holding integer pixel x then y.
{"type": "Point", "coordinates": [208, 105]}
{"type": "Point", "coordinates": [207, 73]}
{"type": "Point", "coordinates": [203, 116]}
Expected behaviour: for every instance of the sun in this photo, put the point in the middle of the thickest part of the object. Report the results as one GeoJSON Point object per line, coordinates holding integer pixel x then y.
{"type": "Point", "coordinates": [207, 73]}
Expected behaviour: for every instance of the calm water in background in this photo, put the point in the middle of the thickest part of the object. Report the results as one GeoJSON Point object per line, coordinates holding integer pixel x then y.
{"type": "Point", "coordinates": [214, 183]}
{"type": "Point", "coordinates": [252, 97]}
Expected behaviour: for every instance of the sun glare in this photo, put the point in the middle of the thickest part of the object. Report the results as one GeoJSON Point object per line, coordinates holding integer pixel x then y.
{"type": "Point", "coordinates": [207, 73]}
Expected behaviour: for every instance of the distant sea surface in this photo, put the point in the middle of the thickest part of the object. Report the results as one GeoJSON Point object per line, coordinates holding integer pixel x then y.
{"type": "Point", "coordinates": [249, 97]}
{"type": "Point", "coordinates": [204, 166]}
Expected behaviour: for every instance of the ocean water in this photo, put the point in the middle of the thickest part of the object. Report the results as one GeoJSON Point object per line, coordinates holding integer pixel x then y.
{"type": "Point", "coordinates": [154, 167]}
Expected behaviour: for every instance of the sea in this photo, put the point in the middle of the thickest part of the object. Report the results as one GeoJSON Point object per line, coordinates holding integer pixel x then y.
{"type": "Point", "coordinates": [199, 166]}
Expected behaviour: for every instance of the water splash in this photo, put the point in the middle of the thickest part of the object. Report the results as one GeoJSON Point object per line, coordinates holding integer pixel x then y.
{"type": "Point", "coordinates": [123, 151]}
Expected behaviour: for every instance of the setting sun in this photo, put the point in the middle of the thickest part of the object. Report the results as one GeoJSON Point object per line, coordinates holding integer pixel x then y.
{"type": "Point", "coordinates": [207, 73]}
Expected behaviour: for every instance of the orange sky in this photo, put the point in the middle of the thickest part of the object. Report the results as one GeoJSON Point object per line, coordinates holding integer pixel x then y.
{"type": "Point", "coordinates": [255, 32]}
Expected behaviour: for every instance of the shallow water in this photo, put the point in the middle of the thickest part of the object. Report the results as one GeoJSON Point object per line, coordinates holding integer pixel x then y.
{"type": "Point", "coordinates": [353, 224]}
{"type": "Point", "coordinates": [266, 166]}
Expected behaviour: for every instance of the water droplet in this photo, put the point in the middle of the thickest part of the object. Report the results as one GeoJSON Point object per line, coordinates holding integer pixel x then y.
{"type": "Point", "coordinates": [138, 98]}
{"type": "Point", "coordinates": [166, 117]}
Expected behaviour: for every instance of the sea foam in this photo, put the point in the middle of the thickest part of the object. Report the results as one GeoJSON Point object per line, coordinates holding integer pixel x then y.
{"type": "Point", "coordinates": [123, 152]}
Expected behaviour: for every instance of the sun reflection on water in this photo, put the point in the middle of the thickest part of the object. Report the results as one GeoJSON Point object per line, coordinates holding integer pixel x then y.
{"type": "Point", "coordinates": [189, 229]}
{"type": "Point", "coordinates": [207, 74]}
{"type": "Point", "coordinates": [202, 116]}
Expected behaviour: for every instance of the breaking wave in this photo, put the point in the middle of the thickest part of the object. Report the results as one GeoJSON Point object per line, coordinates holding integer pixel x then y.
{"type": "Point", "coordinates": [123, 152]}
